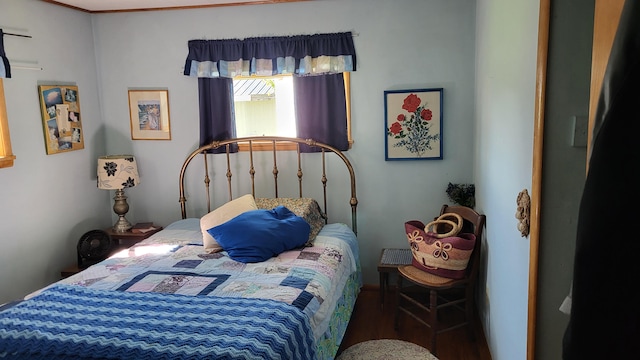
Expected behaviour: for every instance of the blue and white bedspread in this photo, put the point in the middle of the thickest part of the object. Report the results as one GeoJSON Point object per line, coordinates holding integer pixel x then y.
{"type": "Point", "coordinates": [99, 324]}
{"type": "Point", "coordinates": [167, 296]}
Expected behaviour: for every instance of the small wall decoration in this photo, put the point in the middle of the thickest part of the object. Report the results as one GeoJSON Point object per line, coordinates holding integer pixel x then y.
{"type": "Point", "coordinates": [149, 112]}
{"type": "Point", "coordinates": [523, 212]}
{"type": "Point", "coordinates": [413, 124]}
{"type": "Point", "coordinates": [61, 119]}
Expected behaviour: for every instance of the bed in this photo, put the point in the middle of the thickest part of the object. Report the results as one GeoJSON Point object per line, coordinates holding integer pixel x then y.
{"type": "Point", "coordinates": [172, 296]}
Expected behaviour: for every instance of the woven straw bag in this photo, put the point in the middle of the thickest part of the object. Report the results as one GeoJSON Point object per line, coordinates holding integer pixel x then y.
{"type": "Point", "coordinates": [444, 254]}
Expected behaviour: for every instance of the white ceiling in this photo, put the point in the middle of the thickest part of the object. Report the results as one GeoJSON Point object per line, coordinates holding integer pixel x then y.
{"type": "Point", "coordinates": [133, 5]}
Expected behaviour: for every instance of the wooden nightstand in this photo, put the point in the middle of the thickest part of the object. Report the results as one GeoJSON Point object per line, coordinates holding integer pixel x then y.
{"type": "Point", "coordinates": [389, 261]}
{"type": "Point", "coordinates": [70, 270]}
{"type": "Point", "coordinates": [120, 241]}
{"type": "Point", "coordinates": [127, 239]}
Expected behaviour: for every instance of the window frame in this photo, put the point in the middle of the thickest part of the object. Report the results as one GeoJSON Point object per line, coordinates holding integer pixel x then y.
{"type": "Point", "coordinates": [6, 156]}
{"type": "Point", "coordinates": [268, 146]}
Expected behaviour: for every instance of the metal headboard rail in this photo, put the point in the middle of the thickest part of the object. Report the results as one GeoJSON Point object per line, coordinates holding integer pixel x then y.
{"type": "Point", "coordinates": [275, 141]}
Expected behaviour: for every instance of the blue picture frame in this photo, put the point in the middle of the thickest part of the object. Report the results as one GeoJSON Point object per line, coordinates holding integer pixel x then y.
{"type": "Point", "coordinates": [413, 124]}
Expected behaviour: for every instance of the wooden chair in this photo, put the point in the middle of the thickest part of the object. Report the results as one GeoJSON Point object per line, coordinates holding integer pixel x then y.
{"type": "Point", "coordinates": [442, 292]}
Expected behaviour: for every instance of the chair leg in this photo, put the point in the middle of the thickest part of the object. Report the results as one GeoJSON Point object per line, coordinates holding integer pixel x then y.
{"type": "Point", "coordinates": [469, 313]}
{"type": "Point", "coordinates": [433, 314]}
{"type": "Point", "coordinates": [398, 288]}
{"type": "Point", "coordinates": [383, 288]}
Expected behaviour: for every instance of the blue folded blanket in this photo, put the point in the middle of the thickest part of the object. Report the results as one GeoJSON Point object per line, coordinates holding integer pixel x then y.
{"type": "Point", "coordinates": [73, 322]}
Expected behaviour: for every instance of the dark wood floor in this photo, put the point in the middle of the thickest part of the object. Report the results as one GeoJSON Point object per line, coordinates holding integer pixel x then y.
{"type": "Point", "coordinates": [371, 321]}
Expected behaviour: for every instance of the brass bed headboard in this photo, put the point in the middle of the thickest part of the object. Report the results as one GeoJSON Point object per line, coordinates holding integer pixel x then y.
{"type": "Point", "coordinates": [275, 143]}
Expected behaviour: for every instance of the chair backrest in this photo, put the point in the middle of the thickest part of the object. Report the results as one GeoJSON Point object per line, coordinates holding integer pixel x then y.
{"type": "Point", "coordinates": [473, 223]}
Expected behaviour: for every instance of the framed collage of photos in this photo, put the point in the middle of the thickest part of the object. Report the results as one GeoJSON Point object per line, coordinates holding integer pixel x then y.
{"type": "Point", "coordinates": [61, 120]}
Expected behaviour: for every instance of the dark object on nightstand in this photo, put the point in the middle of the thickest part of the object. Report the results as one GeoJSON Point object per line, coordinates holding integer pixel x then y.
{"type": "Point", "coordinates": [93, 247]}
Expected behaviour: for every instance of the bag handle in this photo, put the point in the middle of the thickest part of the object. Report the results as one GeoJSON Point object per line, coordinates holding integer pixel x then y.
{"type": "Point", "coordinates": [442, 219]}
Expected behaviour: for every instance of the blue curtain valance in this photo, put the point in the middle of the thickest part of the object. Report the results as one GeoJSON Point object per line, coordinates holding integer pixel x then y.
{"type": "Point", "coordinates": [317, 54]}
{"type": "Point", "coordinates": [5, 69]}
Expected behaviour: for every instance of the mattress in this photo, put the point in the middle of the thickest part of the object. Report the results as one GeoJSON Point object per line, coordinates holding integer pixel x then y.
{"type": "Point", "coordinates": [313, 287]}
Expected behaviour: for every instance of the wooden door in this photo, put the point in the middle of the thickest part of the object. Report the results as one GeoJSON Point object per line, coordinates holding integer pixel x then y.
{"type": "Point", "coordinates": [606, 18]}
{"type": "Point", "coordinates": [605, 24]}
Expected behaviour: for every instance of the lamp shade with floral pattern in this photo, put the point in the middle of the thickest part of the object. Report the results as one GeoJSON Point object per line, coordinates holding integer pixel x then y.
{"type": "Point", "coordinates": [117, 172]}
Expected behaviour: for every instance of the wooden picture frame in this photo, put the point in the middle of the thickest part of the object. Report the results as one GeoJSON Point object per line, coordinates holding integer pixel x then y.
{"type": "Point", "coordinates": [61, 118]}
{"type": "Point", "coordinates": [149, 114]}
{"type": "Point", "coordinates": [413, 124]}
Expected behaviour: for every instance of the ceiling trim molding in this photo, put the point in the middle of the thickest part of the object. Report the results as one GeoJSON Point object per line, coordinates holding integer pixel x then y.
{"type": "Point", "coordinates": [177, 7]}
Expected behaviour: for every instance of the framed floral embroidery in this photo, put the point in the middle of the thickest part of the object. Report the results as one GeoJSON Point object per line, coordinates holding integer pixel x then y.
{"type": "Point", "coordinates": [413, 124]}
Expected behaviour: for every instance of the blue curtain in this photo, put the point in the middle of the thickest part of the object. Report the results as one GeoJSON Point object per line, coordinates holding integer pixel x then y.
{"type": "Point", "coordinates": [217, 120]}
{"type": "Point", "coordinates": [303, 55]}
{"type": "Point", "coordinates": [321, 110]}
{"type": "Point", "coordinates": [5, 69]}
{"type": "Point", "coordinates": [320, 99]}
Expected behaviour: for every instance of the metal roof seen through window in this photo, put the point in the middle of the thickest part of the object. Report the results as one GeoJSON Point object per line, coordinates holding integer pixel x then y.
{"type": "Point", "coordinates": [247, 88]}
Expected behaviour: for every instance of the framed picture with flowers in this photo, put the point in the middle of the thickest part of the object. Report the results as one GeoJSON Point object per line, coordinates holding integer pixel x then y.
{"type": "Point", "coordinates": [413, 124]}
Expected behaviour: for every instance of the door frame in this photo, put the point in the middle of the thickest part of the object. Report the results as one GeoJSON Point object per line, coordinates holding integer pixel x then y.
{"type": "Point", "coordinates": [536, 181]}
{"type": "Point", "coordinates": [606, 17]}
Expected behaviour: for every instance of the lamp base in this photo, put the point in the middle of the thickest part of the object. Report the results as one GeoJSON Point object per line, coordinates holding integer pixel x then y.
{"type": "Point", "coordinates": [122, 225]}
{"type": "Point", "coordinates": [120, 207]}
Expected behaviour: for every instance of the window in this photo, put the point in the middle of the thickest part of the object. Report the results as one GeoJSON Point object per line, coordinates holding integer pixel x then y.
{"type": "Point", "coordinates": [264, 105]}
{"type": "Point", "coordinates": [320, 92]}
{"type": "Point", "coordinates": [6, 156]}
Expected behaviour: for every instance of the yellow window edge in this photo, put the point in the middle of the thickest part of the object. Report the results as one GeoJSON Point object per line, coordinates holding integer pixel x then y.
{"type": "Point", "coordinates": [6, 156]}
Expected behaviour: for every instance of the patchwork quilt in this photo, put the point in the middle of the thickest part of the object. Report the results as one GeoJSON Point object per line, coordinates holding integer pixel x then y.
{"type": "Point", "coordinates": [303, 286]}
{"type": "Point", "coordinates": [72, 322]}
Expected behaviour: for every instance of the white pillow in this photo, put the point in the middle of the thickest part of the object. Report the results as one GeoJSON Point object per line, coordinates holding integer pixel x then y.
{"type": "Point", "coordinates": [221, 215]}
